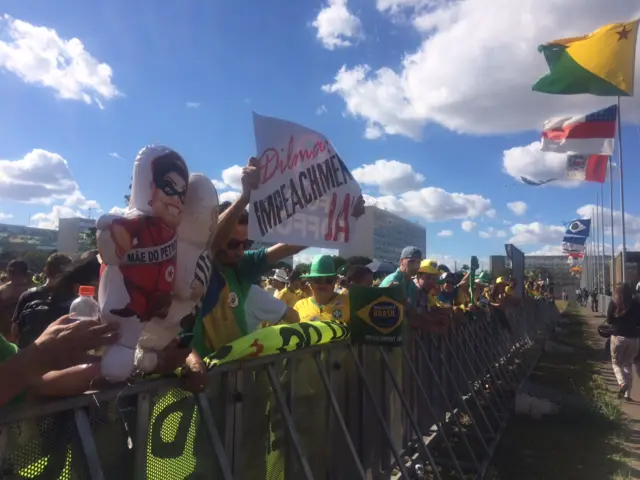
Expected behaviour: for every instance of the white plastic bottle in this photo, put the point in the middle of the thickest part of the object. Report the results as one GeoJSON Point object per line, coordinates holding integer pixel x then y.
{"type": "Point", "coordinates": [85, 307]}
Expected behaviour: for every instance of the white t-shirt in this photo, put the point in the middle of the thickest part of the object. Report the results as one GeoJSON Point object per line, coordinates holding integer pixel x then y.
{"type": "Point", "coordinates": [261, 306]}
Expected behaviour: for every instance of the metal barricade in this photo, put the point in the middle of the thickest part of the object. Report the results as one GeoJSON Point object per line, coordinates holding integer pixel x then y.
{"type": "Point", "coordinates": [434, 408]}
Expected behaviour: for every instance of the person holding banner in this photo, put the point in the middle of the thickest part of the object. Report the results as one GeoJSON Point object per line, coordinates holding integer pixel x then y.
{"type": "Point", "coordinates": [231, 300]}
{"type": "Point", "coordinates": [237, 269]}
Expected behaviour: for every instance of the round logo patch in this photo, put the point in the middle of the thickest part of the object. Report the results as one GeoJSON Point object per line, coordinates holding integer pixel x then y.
{"type": "Point", "coordinates": [337, 314]}
{"type": "Point", "coordinates": [233, 299]}
{"type": "Point", "coordinates": [169, 273]}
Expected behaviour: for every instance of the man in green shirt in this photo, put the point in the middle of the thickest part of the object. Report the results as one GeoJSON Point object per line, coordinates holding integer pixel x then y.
{"type": "Point", "coordinates": [435, 320]}
{"type": "Point", "coordinates": [410, 259]}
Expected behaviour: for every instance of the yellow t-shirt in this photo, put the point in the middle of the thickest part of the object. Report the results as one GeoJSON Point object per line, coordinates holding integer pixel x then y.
{"type": "Point", "coordinates": [289, 297]}
{"type": "Point", "coordinates": [336, 310]}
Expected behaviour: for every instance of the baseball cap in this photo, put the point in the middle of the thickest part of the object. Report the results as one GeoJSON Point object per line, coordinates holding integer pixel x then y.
{"type": "Point", "coordinates": [414, 253]}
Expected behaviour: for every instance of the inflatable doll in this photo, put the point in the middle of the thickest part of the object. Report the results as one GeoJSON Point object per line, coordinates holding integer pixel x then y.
{"type": "Point", "coordinates": [193, 269]}
{"type": "Point", "coordinates": [138, 251]}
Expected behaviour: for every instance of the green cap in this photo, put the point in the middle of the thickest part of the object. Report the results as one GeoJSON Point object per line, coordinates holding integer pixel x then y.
{"type": "Point", "coordinates": [321, 266]}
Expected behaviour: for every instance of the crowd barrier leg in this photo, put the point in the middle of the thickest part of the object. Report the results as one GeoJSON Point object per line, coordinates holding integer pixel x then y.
{"type": "Point", "coordinates": [420, 437]}
{"type": "Point", "coordinates": [214, 436]}
{"type": "Point", "coordinates": [379, 414]}
{"type": "Point", "coordinates": [481, 411]}
{"type": "Point", "coordinates": [338, 415]}
{"type": "Point", "coordinates": [458, 395]}
{"type": "Point", "coordinates": [423, 355]}
{"type": "Point", "coordinates": [484, 373]}
{"type": "Point", "coordinates": [439, 427]}
{"type": "Point", "coordinates": [288, 421]}
{"type": "Point", "coordinates": [88, 445]}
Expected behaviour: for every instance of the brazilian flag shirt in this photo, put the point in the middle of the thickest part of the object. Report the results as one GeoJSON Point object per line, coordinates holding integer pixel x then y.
{"type": "Point", "coordinates": [336, 310]}
{"type": "Point", "coordinates": [222, 318]}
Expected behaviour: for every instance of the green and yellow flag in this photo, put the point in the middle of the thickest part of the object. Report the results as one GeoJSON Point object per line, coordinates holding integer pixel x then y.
{"type": "Point", "coordinates": [601, 63]}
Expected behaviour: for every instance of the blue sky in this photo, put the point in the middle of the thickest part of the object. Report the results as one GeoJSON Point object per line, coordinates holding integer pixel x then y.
{"type": "Point", "coordinates": [435, 119]}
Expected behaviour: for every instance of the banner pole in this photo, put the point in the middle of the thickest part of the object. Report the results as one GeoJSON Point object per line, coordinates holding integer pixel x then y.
{"type": "Point", "coordinates": [613, 245]}
{"type": "Point", "coordinates": [623, 256]}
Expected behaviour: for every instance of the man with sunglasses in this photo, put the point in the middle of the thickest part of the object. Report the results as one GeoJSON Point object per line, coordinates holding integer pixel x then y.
{"type": "Point", "coordinates": [435, 320]}
{"type": "Point", "coordinates": [237, 269]}
{"type": "Point", "coordinates": [232, 301]}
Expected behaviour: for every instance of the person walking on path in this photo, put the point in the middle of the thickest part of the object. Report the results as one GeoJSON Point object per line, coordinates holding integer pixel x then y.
{"type": "Point", "coordinates": [623, 315]}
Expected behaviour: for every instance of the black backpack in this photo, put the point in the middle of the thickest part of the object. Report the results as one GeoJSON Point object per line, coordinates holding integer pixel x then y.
{"type": "Point", "coordinates": [36, 316]}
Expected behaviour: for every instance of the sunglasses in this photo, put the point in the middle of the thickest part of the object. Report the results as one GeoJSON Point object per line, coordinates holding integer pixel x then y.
{"type": "Point", "coordinates": [169, 189]}
{"type": "Point", "coordinates": [234, 244]}
{"type": "Point", "coordinates": [323, 280]}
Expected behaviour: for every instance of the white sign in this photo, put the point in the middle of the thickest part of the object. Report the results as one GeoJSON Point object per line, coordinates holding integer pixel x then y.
{"type": "Point", "coordinates": [307, 194]}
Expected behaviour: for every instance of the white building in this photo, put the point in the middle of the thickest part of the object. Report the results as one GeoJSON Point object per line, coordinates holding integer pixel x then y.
{"type": "Point", "coordinates": [381, 235]}
{"type": "Point", "coordinates": [72, 235]}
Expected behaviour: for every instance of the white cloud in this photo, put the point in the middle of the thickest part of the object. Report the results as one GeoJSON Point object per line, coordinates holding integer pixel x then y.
{"type": "Point", "coordinates": [231, 178]}
{"type": "Point", "coordinates": [535, 233]}
{"type": "Point", "coordinates": [5, 216]}
{"type": "Point", "coordinates": [39, 56]}
{"type": "Point", "coordinates": [390, 176]}
{"type": "Point", "coordinates": [445, 233]}
{"type": "Point", "coordinates": [518, 207]}
{"type": "Point", "coordinates": [40, 176]}
{"type": "Point", "coordinates": [483, 85]}
{"type": "Point", "coordinates": [530, 162]}
{"type": "Point", "coordinates": [306, 256]}
{"type": "Point", "coordinates": [218, 184]}
{"type": "Point", "coordinates": [548, 250]}
{"type": "Point", "coordinates": [468, 225]}
{"type": "Point", "coordinates": [490, 232]}
{"type": "Point", "coordinates": [230, 196]}
{"type": "Point", "coordinates": [193, 104]}
{"type": "Point", "coordinates": [116, 155]}
{"type": "Point", "coordinates": [50, 220]}
{"type": "Point", "coordinates": [321, 110]}
{"type": "Point", "coordinates": [337, 26]}
{"type": "Point", "coordinates": [491, 213]}
{"type": "Point", "coordinates": [432, 204]}
{"type": "Point", "coordinates": [78, 200]}
{"type": "Point", "coordinates": [117, 210]}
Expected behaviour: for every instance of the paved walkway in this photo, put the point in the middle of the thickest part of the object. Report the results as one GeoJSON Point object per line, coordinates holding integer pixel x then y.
{"type": "Point", "coordinates": [630, 408]}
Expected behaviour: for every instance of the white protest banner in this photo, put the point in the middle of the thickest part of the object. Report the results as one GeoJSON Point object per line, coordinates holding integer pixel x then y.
{"type": "Point", "coordinates": [307, 196]}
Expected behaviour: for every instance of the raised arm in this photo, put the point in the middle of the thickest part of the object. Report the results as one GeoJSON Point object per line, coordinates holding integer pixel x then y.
{"type": "Point", "coordinates": [229, 218]}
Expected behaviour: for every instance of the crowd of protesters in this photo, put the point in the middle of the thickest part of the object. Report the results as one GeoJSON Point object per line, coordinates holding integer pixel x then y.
{"type": "Point", "coordinates": [45, 353]}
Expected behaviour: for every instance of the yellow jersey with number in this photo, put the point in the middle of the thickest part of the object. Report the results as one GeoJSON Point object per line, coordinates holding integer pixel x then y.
{"type": "Point", "coordinates": [336, 310]}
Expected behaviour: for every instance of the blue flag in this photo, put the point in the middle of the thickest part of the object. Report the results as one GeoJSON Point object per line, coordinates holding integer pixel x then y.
{"type": "Point", "coordinates": [574, 239]}
{"type": "Point", "coordinates": [579, 228]}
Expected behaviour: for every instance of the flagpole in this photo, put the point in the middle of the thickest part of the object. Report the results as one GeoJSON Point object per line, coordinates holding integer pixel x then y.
{"type": "Point", "coordinates": [613, 245]}
{"type": "Point", "coordinates": [603, 253]}
{"type": "Point", "coordinates": [595, 225]}
{"type": "Point", "coordinates": [594, 265]}
{"type": "Point", "coordinates": [623, 254]}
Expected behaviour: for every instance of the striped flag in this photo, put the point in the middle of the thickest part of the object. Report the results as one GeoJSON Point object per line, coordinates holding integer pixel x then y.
{"type": "Point", "coordinates": [592, 134]}
{"type": "Point", "coordinates": [587, 168]}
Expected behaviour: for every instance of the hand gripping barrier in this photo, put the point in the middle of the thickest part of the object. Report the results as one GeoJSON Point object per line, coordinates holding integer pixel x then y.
{"type": "Point", "coordinates": [315, 408]}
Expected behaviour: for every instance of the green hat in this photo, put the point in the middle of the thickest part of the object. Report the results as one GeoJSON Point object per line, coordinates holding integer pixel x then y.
{"type": "Point", "coordinates": [321, 266]}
